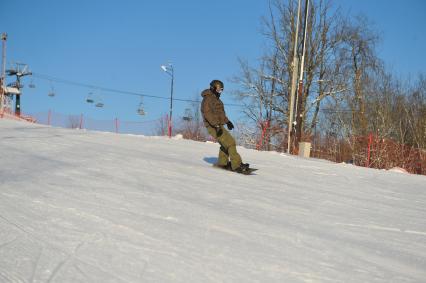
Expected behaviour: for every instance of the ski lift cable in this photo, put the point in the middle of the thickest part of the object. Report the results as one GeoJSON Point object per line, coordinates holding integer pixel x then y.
{"type": "Point", "coordinates": [64, 81]}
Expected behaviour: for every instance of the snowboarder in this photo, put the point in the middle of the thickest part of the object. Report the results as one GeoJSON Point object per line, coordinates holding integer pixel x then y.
{"type": "Point", "coordinates": [214, 118]}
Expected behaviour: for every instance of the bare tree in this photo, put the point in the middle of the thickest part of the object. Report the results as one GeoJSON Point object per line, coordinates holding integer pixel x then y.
{"type": "Point", "coordinates": [191, 125]}
{"type": "Point", "coordinates": [73, 122]}
{"type": "Point", "coordinates": [347, 92]}
{"type": "Point", "coordinates": [162, 125]}
{"type": "Point", "coordinates": [360, 65]}
{"type": "Point", "coordinates": [262, 97]}
{"type": "Point", "coordinates": [416, 114]}
{"type": "Point", "coordinates": [266, 89]}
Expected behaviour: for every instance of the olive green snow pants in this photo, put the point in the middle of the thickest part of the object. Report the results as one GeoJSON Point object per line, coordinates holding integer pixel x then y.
{"type": "Point", "coordinates": [228, 148]}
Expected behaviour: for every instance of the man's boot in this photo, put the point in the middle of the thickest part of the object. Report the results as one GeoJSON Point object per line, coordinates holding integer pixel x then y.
{"type": "Point", "coordinates": [242, 168]}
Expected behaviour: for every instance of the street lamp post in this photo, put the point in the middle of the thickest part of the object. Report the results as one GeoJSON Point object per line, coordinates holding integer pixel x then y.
{"type": "Point", "coordinates": [169, 70]}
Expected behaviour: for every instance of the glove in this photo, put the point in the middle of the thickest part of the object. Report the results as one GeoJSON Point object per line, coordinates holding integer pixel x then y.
{"type": "Point", "coordinates": [230, 125]}
{"type": "Point", "coordinates": [219, 131]}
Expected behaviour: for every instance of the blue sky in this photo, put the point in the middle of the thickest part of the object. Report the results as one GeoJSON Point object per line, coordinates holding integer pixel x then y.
{"type": "Point", "coordinates": [121, 45]}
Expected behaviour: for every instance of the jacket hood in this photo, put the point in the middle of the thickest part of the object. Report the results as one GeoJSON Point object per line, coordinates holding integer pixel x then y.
{"type": "Point", "coordinates": [206, 92]}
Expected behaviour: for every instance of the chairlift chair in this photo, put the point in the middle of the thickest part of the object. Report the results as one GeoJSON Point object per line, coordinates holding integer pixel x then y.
{"type": "Point", "coordinates": [188, 115]}
{"type": "Point", "coordinates": [31, 84]}
{"type": "Point", "coordinates": [51, 93]}
{"type": "Point", "coordinates": [140, 110]}
{"type": "Point", "coordinates": [89, 98]}
{"type": "Point", "coordinates": [52, 90]}
{"type": "Point", "coordinates": [98, 97]}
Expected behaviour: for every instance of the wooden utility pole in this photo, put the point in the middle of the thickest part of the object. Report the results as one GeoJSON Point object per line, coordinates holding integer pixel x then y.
{"type": "Point", "coordinates": [295, 67]}
{"type": "Point", "coordinates": [299, 104]}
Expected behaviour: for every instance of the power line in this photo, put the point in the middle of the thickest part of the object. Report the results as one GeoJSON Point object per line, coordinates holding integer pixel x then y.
{"type": "Point", "coordinates": [92, 86]}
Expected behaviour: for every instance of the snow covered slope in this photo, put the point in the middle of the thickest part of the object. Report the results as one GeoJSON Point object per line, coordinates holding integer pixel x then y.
{"type": "Point", "coordinates": [78, 206]}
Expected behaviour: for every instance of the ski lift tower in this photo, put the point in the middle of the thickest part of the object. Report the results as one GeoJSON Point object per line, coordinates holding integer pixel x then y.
{"type": "Point", "coordinates": [3, 69]}
{"type": "Point", "coordinates": [14, 88]}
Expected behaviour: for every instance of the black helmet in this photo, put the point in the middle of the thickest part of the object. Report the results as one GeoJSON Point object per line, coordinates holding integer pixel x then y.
{"type": "Point", "coordinates": [216, 84]}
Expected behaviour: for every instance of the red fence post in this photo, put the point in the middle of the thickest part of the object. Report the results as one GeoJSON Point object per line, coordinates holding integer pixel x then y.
{"type": "Point", "coordinates": [370, 139]}
{"type": "Point", "coordinates": [260, 143]}
{"type": "Point", "coordinates": [116, 125]}
{"type": "Point", "coordinates": [164, 120]}
{"type": "Point", "coordinates": [48, 117]}
{"type": "Point", "coordinates": [418, 163]}
{"type": "Point", "coordinates": [267, 135]}
{"type": "Point", "coordinates": [81, 121]}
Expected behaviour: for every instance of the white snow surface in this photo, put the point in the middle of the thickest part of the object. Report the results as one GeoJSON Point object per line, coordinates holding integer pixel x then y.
{"type": "Point", "coordinates": [81, 206]}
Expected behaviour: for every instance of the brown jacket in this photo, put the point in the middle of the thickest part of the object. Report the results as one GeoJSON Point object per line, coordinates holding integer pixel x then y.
{"type": "Point", "coordinates": [212, 109]}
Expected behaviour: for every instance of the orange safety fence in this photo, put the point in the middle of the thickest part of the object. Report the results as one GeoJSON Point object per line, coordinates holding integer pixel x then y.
{"type": "Point", "coordinates": [370, 151]}
{"type": "Point", "coordinates": [9, 115]}
{"type": "Point", "coordinates": [80, 121]}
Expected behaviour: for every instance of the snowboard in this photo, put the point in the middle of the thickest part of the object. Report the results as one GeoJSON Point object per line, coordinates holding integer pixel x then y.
{"type": "Point", "coordinates": [249, 171]}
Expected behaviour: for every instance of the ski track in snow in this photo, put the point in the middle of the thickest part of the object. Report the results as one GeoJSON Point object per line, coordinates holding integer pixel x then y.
{"type": "Point", "coordinates": [80, 206]}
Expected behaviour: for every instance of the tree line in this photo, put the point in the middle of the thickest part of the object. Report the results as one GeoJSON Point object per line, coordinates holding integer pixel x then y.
{"type": "Point", "coordinates": [347, 90]}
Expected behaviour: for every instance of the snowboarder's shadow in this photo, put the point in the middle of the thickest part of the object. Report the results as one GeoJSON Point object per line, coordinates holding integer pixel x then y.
{"type": "Point", "coordinates": [210, 160]}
